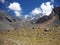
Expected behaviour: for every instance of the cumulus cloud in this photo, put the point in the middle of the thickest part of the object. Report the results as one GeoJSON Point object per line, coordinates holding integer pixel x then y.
{"type": "Point", "coordinates": [15, 6]}
{"type": "Point", "coordinates": [2, 1]}
{"type": "Point", "coordinates": [45, 9]}
{"type": "Point", "coordinates": [36, 11]}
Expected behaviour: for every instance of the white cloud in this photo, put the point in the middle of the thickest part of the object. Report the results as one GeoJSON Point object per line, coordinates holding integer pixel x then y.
{"type": "Point", "coordinates": [17, 13]}
{"type": "Point", "coordinates": [15, 6]}
{"type": "Point", "coordinates": [36, 11]}
{"type": "Point", "coordinates": [2, 1]}
{"type": "Point", "coordinates": [45, 9]}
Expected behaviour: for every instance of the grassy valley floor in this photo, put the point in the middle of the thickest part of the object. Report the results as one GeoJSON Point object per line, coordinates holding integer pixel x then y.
{"type": "Point", "coordinates": [35, 36]}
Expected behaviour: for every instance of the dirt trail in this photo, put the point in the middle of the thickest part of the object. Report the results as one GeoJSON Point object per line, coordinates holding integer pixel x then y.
{"type": "Point", "coordinates": [12, 40]}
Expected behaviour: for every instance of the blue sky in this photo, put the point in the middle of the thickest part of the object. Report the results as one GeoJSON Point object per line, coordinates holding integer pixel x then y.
{"type": "Point", "coordinates": [26, 5]}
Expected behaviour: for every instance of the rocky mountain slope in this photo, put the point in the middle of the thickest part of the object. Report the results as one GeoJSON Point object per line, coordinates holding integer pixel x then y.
{"type": "Point", "coordinates": [8, 22]}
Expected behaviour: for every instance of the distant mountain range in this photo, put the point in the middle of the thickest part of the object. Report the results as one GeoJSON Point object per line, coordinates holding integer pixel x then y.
{"type": "Point", "coordinates": [8, 22]}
